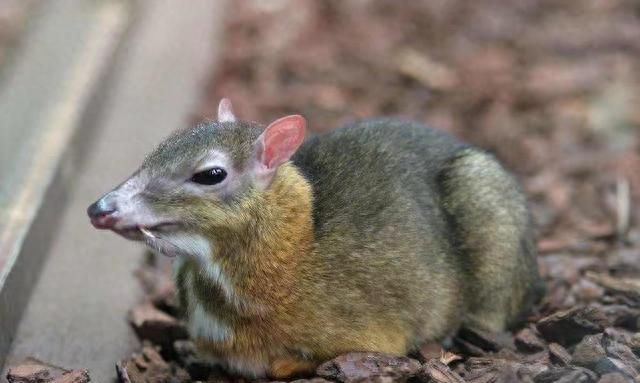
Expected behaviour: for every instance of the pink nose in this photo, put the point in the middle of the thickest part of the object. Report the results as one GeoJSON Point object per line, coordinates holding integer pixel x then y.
{"type": "Point", "coordinates": [106, 221]}
{"type": "Point", "coordinates": [102, 214]}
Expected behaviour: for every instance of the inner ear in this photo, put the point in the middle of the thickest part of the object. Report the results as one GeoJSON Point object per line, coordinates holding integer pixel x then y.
{"type": "Point", "coordinates": [280, 140]}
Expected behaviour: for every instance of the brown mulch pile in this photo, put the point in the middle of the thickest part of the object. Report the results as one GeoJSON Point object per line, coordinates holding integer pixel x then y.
{"type": "Point", "coordinates": [551, 87]}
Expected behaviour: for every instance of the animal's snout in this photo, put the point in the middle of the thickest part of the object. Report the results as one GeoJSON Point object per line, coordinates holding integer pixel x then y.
{"type": "Point", "coordinates": [102, 213]}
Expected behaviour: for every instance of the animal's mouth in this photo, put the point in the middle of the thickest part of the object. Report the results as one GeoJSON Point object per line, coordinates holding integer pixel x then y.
{"type": "Point", "coordinates": [160, 237]}
{"type": "Point", "coordinates": [140, 232]}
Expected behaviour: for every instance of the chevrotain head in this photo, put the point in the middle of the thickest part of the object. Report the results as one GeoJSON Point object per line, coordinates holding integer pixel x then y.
{"type": "Point", "coordinates": [197, 181]}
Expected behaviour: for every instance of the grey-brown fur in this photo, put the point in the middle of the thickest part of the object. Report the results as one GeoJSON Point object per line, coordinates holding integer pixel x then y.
{"type": "Point", "coordinates": [389, 190]}
{"type": "Point", "coordinates": [183, 146]}
{"type": "Point", "coordinates": [413, 235]}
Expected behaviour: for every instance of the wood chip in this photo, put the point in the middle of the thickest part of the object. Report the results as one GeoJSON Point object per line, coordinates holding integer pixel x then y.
{"type": "Point", "coordinates": [423, 69]}
{"type": "Point", "coordinates": [149, 366]}
{"type": "Point", "coordinates": [559, 355]}
{"type": "Point", "coordinates": [526, 340]}
{"type": "Point", "coordinates": [75, 376]}
{"type": "Point", "coordinates": [566, 375]}
{"type": "Point", "coordinates": [32, 370]}
{"type": "Point", "coordinates": [627, 286]}
{"type": "Point", "coordinates": [156, 326]}
{"type": "Point", "coordinates": [570, 326]}
{"type": "Point", "coordinates": [435, 371]}
{"type": "Point", "coordinates": [490, 370]}
{"type": "Point", "coordinates": [28, 373]}
{"type": "Point", "coordinates": [362, 366]}
{"type": "Point", "coordinates": [449, 357]}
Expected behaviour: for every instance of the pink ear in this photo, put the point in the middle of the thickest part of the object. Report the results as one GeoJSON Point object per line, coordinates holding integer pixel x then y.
{"type": "Point", "coordinates": [280, 140]}
{"type": "Point", "coordinates": [225, 111]}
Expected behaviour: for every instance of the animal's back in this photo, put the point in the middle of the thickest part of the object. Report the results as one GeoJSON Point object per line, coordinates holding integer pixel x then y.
{"type": "Point", "coordinates": [359, 170]}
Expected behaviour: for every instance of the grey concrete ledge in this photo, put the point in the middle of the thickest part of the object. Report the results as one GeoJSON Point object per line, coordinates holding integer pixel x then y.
{"type": "Point", "coordinates": [76, 314]}
{"type": "Point", "coordinates": [48, 89]}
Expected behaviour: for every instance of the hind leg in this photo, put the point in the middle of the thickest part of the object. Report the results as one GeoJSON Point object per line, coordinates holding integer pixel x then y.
{"type": "Point", "coordinates": [493, 236]}
{"type": "Point", "coordinates": [287, 368]}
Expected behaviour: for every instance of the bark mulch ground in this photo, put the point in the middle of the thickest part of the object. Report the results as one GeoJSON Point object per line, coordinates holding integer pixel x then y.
{"type": "Point", "coordinates": [550, 87]}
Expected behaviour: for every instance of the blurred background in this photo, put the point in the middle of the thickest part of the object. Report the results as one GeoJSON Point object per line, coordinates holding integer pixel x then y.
{"type": "Point", "coordinates": [550, 87]}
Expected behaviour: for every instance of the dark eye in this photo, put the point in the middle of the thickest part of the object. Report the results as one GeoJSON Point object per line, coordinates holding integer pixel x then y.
{"type": "Point", "coordinates": [210, 176]}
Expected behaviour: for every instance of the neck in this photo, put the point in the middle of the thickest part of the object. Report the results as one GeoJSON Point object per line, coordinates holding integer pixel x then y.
{"type": "Point", "coordinates": [260, 254]}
